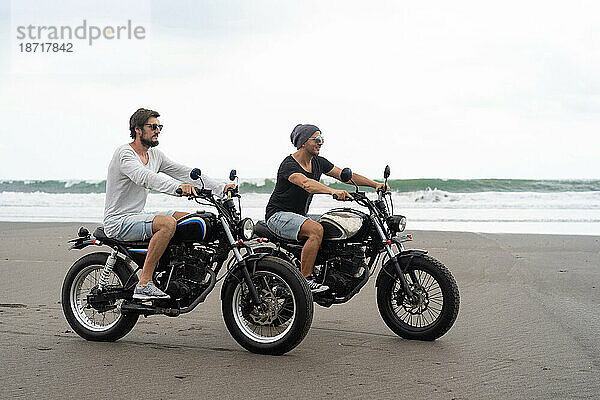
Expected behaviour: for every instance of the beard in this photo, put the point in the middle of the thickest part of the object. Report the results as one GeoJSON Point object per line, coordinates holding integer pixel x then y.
{"type": "Point", "coordinates": [314, 151]}
{"type": "Point", "coordinates": [148, 143]}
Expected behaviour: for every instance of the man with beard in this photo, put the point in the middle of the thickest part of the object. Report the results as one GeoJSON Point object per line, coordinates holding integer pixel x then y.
{"type": "Point", "coordinates": [297, 181]}
{"type": "Point", "coordinates": [136, 168]}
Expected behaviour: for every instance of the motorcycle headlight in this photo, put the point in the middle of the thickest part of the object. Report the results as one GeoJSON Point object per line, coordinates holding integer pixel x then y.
{"type": "Point", "coordinates": [397, 223]}
{"type": "Point", "coordinates": [246, 228]}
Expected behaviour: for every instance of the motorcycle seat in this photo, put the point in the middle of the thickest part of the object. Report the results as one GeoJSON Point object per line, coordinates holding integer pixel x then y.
{"type": "Point", "coordinates": [262, 230]}
{"type": "Point", "coordinates": [100, 235]}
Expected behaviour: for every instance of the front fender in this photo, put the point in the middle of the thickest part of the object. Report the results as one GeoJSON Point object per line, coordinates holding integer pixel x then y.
{"type": "Point", "coordinates": [249, 261]}
{"type": "Point", "coordinates": [403, 258]}
{"type": "Point", "coordinates": [276, 252]}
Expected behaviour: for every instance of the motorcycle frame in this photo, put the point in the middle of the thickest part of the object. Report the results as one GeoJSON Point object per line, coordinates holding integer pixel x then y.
{"type": "Point", "coordinates": [378, 219]}
{"type": "Point", "coordinates": [381, 247]}
{"type": "Point", "coordinates": [228, 217]}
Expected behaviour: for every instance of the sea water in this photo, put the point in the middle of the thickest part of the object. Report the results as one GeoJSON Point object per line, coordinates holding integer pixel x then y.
{"type": "Point", "coordinates": [515, 206]}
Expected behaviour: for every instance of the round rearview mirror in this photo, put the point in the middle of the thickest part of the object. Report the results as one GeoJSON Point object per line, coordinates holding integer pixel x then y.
{"type": "Point", "coordinates": [346, 175]}
{"type": "Point", "coordinates": [386, 172]}
{"type": "Point", "coordinates": [232, 175]}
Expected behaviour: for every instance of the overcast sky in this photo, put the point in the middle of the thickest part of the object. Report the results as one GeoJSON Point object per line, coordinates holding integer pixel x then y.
{"type": "Point", "coordinates": [436, 89]}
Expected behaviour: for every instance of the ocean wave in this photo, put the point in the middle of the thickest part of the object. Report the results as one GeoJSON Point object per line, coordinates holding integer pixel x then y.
{"type": "Point", "coordinates": [426, 190]}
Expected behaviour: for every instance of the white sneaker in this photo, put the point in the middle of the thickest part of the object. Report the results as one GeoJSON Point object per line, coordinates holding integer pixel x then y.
{"type": "Point", "coordinates": [314, 286]}
{"type": "Point", "coordinates": [149, 292]}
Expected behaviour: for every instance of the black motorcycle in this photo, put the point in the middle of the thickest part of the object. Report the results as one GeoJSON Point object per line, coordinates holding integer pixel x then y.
{"type": "Point", "coordinates": [266, 303]}
{"type": "Point", "coordinates": [417, 296]}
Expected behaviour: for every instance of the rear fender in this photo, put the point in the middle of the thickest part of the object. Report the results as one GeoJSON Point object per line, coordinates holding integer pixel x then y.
{"type": "Point", "coordinates": [83, 242]}
{"type": "Point", "coordinates": [120, 255]}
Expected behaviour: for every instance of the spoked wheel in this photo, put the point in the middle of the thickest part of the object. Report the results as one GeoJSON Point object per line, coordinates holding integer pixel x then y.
{"type": "Point", "coordinates": [281, 320]}
{"type": "Point", "coordinates": [92, 315]}
{"type": "Point", "coordinates": [433, 306]}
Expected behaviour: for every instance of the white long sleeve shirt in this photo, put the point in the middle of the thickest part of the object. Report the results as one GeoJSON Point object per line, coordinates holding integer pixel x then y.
{"type": "Point", "coordinates": [129, 181]}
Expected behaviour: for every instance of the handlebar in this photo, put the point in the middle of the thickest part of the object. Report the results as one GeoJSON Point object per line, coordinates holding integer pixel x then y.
{"type": "Point", "coordinates": [335, 196]}
{"type": "Point", "coordinates": [232, 192]}
{"type": "Point", "coordinates": [199, 192]}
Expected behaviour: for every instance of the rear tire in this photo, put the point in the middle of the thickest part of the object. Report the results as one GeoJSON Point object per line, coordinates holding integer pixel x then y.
{"type": "Point", "coordinates": [288, 312]}
{"type": "Point", "coordinates": [88, 323]}
{"type": "Point", "coordinates": [435, 312]}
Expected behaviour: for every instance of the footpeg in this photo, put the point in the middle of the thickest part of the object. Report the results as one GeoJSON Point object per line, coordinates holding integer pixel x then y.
{"type": "Point", "coordinates": [145, 309]}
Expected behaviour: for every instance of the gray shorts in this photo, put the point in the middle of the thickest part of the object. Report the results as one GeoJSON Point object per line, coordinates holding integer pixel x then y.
{"type": "Point", "coordinates": [138, 226]}
{"type": "Point", "coordinates": [286, 224]}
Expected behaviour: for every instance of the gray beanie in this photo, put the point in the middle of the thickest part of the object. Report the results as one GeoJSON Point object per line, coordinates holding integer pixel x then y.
{"type": "Point", "coordinates": [301, 133]}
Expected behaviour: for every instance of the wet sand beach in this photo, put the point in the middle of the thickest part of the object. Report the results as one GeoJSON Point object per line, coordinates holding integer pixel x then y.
{"type": "Point", "coordinates": [527, 329]}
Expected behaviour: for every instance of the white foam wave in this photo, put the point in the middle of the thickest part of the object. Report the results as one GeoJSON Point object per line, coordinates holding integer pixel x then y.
{"type": "Point", "coordinates": [71, 182]}
{"type": "Point", "coordinates": [576, 212]}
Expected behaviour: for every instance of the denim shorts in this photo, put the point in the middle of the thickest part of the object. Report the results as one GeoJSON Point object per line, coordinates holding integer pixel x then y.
{"type": "Point", "coordinates": [138, 226]}
{"type": "Point", "coordinates": [286, 224]}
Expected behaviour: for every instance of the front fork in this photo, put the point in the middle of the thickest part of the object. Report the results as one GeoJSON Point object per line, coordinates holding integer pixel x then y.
{"type": "Point", "coordinates": [399, 272]}
{"type": "Point", "coordinates": [241, 262]}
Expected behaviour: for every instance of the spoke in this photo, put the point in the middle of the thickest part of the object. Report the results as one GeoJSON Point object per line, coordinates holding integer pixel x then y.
{"type": "Point", "coordinates": [264, 278]}
{"type": "Point", "coordinates": [433, 317]}
{"type": "Point", "coordinates": [419, 275]}
{"type": "Point", "coordinates": [433, 283]}
{"type": "Point", "coordinates": [279, 331]}
{"type": "Point", "coordinates": [405, 315]}
{"type": "Point", "coordinates": [436, 302]}
{"type": "Point", "coordinates": [289, 308]}
{"type": "Point", "coordinates": [437, 297]}
{"type": "Point", "coordinates": [438, 310]}
{"type": "Point", "coordinates": [286, 323]}
{"type": "Point", "coordinates": [427, 321]}
{"type": "Point", "coordinates": [426, 281]}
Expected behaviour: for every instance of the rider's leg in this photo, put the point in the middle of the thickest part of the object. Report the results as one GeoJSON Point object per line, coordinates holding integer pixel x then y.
{"type": "Point", "coordinates": [163, 228]}
{"type": "Point", "coordinates": [179, 214]}
{"type": "Point", "coordinates": [313, 231]}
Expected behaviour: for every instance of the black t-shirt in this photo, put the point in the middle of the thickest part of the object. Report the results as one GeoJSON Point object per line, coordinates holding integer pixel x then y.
{"type": "Point", "coordinates": [291, 197]}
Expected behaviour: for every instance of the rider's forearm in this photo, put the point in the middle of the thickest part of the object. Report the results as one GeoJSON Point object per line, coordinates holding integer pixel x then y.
{"type": "Point", "coordinates": [314, 187]}
{"type": "Point", "coordinates": [362, 181]}
{"type": "Point", "coordinates": [133, 169]}
{"type": "Point", "coordinates": [181, 173]}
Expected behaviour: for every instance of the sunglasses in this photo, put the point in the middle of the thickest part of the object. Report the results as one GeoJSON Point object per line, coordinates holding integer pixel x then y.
{"type": "Point", "coordinates": [155, 126]}
{"type": "Point", "coordinates": [318, 139]}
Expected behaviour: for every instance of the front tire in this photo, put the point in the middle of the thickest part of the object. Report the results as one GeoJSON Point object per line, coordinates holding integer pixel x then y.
{"type": "Point", "coordinates": [435, 309]}
{"type": "Point", "coordinates": [286, 313]}
{"type": "Point", "coordinates": [87, 322]}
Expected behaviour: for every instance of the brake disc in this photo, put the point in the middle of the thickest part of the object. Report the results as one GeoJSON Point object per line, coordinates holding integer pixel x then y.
{"type": "Point", "coordinates": [268, 315]}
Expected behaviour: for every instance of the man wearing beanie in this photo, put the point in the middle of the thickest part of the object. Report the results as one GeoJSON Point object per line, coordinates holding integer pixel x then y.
{"type": "Point", "coordinates": [297, 180]}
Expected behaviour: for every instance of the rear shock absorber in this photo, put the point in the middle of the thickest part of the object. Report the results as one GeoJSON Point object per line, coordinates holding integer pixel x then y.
{"type": "Point", "coordinates": [108, 267]}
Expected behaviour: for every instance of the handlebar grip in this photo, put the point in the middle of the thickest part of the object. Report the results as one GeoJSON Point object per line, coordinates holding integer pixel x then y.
{"type": "Point", "coordinates": [335, 196]}
{"type": "Point", "coordinates": [198, 190]}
